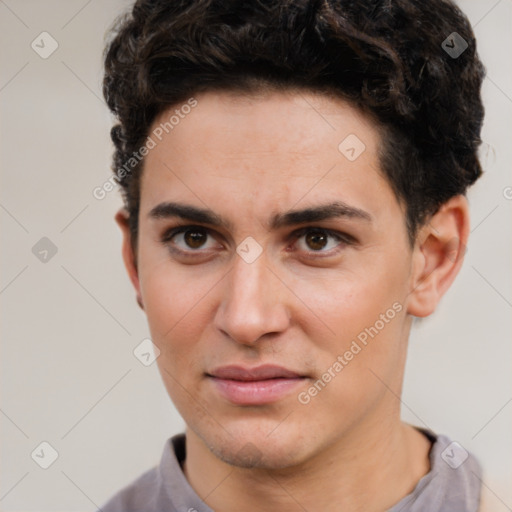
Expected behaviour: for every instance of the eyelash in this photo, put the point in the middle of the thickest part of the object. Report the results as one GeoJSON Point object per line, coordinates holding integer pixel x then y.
{"type": "Point", "coordinates": [343, 238]}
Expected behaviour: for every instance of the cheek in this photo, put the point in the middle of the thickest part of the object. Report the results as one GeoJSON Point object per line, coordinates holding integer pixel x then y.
{"type": "Point", "coordinates": [172, 296]}
{"type": "Point", "coordinates": [365, 316]}
{"type": "Point", "coordinates": [175, 310]}
{"type": "Point", "coordinates": [343, 304]}
{"type": "Point", "coordinates": [354, 368]}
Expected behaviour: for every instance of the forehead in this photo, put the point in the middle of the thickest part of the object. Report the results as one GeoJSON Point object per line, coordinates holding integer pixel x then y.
{"type": "Point", "coordinates": [271, 122]}
{"type": "Point", "coordinates": [258, 152]}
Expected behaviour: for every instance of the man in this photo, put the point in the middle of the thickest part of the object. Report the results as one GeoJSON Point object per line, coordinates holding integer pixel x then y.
{"type": "Point", "coordinates": [294, 177]}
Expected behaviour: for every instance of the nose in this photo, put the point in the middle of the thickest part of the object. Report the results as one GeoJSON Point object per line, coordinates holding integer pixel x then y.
{"type": "Point", "coordinates": [254, 301]}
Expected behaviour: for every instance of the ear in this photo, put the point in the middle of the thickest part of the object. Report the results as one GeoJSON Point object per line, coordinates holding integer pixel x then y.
{"type": "Point", "coordinates": [438, 255]}
{"type": "Point", "coordinates": [130, 260]}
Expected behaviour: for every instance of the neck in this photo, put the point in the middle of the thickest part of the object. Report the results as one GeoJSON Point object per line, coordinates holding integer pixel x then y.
{"type": "Point", "coordinates": [371, 468]}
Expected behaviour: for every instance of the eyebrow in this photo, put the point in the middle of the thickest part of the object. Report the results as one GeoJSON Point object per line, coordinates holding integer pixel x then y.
{"type": "Point", "coordinates": [333, 210]}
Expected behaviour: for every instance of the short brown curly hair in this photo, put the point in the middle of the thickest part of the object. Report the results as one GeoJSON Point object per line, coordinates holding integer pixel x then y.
{"type": "Point", "coordinates": [385, 57]}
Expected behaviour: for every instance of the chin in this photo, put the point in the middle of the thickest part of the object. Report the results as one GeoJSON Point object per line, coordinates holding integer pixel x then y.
{"type": "Point", "coordinates": [251, 456]}
{"type": "Point", "coordinates": [258, 448]}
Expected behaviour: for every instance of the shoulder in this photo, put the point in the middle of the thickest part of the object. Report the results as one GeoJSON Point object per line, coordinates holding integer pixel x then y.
{"type": "Point", "coordinates": [453, 483]}
{"type": "Point", "coordinates": [156, 489]}
{"type": "Point", "coordinates": [136, 495]}
{"type": "Point", "coordinates": [460, 472]}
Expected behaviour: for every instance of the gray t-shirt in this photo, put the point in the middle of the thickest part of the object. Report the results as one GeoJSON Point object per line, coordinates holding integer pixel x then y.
{"type": "Point", "coordinates": [452, 484]}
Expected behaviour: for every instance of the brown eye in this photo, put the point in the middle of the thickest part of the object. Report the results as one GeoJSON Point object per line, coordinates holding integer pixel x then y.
{"type": "Point", "coordinates": [187, 238]}
{"type": "Point", "coordinates": [316, 240]}
{"type": "Point", "coordinates": [322, 241]}
{"type": "Point", "coordinates": [194, 238]}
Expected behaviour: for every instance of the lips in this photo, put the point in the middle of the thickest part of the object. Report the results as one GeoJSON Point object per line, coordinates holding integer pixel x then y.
{"type": "Point", "coordinates": [255, 386]}
{"type": "Point", "coordinates": [253, 374]}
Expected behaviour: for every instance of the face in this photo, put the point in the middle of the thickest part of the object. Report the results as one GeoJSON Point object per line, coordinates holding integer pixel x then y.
{"type": "Point", "coordinates": [321, 295]}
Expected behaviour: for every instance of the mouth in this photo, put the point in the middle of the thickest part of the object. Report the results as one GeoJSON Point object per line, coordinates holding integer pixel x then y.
{"type": "Point", "coordinates": [255, 386]}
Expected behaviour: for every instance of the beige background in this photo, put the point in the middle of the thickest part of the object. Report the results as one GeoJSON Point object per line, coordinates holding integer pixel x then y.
{"type": "Point", "coordinates": [70, 325]}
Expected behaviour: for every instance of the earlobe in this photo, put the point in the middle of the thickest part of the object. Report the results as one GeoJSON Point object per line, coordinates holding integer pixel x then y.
{"type": "Point", "coordinates": [438, 255]}
{"type": "Point", "coordinates": [129, 258]}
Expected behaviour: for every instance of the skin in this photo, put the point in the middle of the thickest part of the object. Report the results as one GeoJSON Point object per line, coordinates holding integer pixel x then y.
{"type": "Point", "coordinates": [246, 158]}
